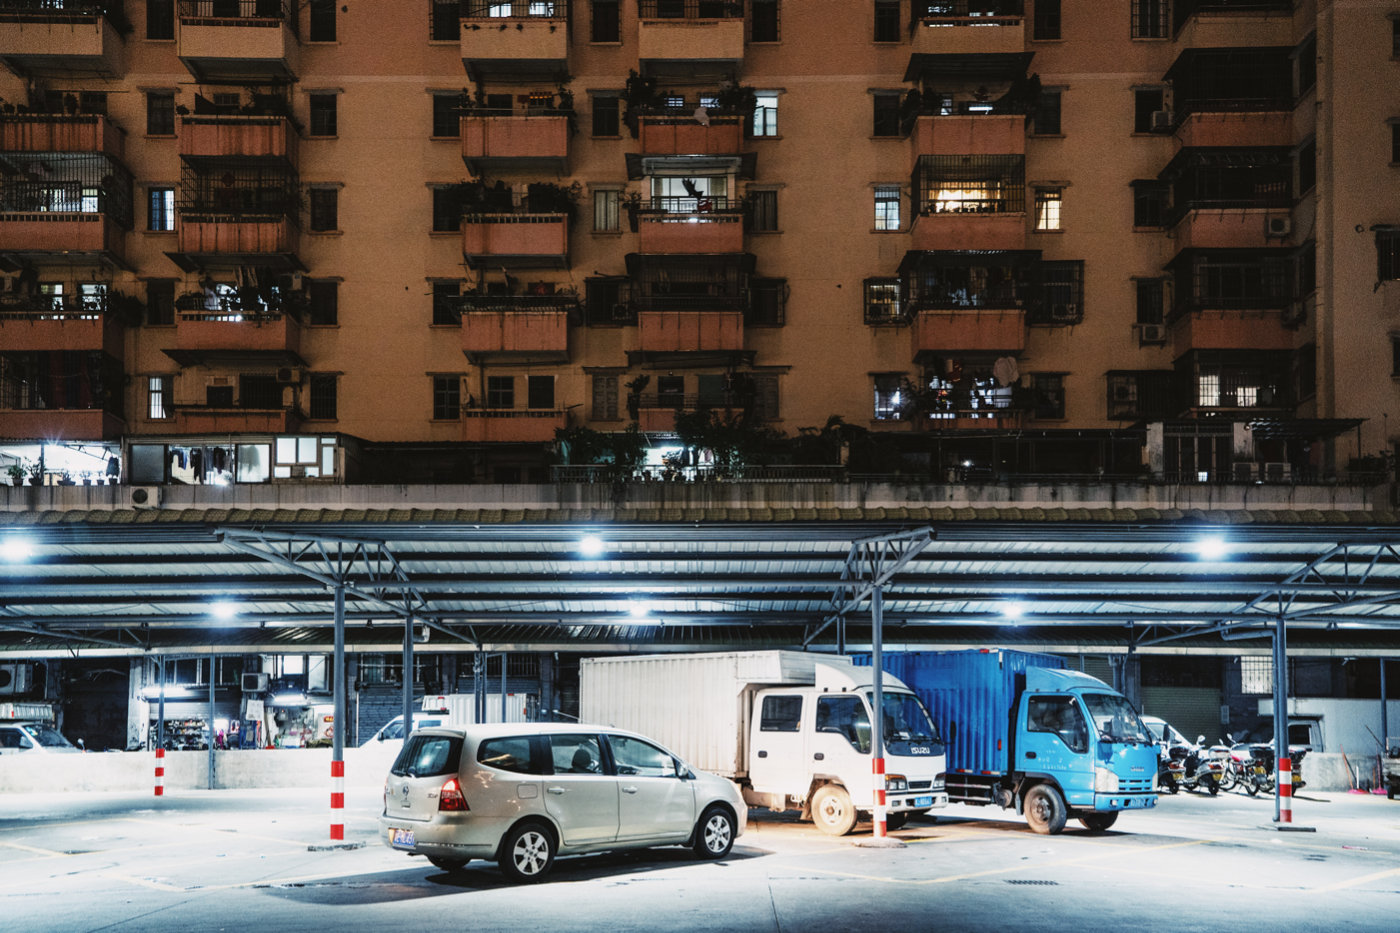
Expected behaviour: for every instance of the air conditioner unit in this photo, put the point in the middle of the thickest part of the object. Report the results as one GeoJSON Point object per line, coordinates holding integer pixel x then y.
{"type": "Point", "coordinates": [1278, 227]}
{"type": "Point", "coordinates": [16, 678]}
{"type": "Point", "coordinates": [288, 374]}
{"type": "Point", "coordinates": [1278, 472]}
{"type": "Point", "coordinates": [1152, 333]}
{"type": "Point", "coordinates": [144, 497]}
{"type": "Point", "coordinates": [621, 312]}
{"type": "Point", "coordinates": [1161, 121]}
{"type": "Point", "coordinates": [255, 683]}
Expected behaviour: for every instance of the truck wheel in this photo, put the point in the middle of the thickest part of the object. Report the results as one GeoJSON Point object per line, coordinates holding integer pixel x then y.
{"type": "Point", "coordinates": [1098, 822]}
{"type": "Point", "coordinates": [896, 820]}
{"type": "Point", "coordinates": [1045, 809]}
{"type": "Point", "coordinates": [527, 853]}
{"type": "Point", "coordinates": [833, 811]}
{"type": "Point", "coordinates": [714, 834]}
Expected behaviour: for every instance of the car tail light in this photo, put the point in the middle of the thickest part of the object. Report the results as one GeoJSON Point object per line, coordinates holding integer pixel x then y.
{"type": "Point", "coordinates": [450, 797]}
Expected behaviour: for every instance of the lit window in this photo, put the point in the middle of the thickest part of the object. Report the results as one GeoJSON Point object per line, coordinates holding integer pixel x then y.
{"type": "Point", "coordinates": [1047, 208]}
{"type": "Point", "coordinates": [1208, 390]}
{"type": "Point", "coordinates": [607, 210]}
{"type": "Point", "coordinates": [886, 207]}
{"type": "Point", "coordinates": [158, 397]}
{"type": "Point", "coordinates": [1256, 675]}
{"type": "Point", "coordinates": [161, 215]}
{"type": "Point", "coordinates": [765, 114]}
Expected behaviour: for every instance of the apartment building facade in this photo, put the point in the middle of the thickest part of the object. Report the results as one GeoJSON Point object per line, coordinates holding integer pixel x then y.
{"type": "Point", "coordinates": [249, 241]}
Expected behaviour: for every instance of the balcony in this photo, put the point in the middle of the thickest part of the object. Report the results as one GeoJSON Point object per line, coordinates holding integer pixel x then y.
{"type": "Point", "coordinates": [55, 425]}
{"type": "Point", "coordinates": [992, 330]}
{"type": "Point", "coordinates": [969, 229]}
{"type": "Point", "coordinates": [531, 39]}
{"type": "Point", "coordinates": [258, 240]}
{"type": "Point", "coordinates": [239, 40]}
{"type": "Point", "coordinates": [1220, 23]}
{"type": "Point", "coordinates": [1230, 228]}
{"type": "Point", "coordinates": [229, 334]}
{"type": "Point", "coordinates": [61, 132]}
{"type": "Point", "coordinates": [43, 233]}
{"type": "Point", "coordinates": [673, 134]}
{"type": "Point", "coordinates": [505, 426]}
{"type": "Point", "coordinates": [674, 225]}
{"type": "Point", "coordinates": [690, 37]}
{"type": "Point", "coordinates": [491, 141]}
{"type": "Point", "coordinates": [36, 325]}
{"type": "Point", "coordinates": [1235, 129]}
{"type": "Point", "coordinates": [974, 27]}
{"type": "Point", "coordinates": [535, 327]}
{"type": "Point", "coordinates": [968, 134]}
{"type": "Point", "coordinates": [518, 240]}
{"type": "Point", "coordinates": [40, 38]}
{"type": "Point", "coordinates": [690, 331]}
{"type": "Point", "coordinates": [1257, 329]}
{"type": "Point", "coordinates": [969, 202]}
{"type": "Point", "coordinates": [252, 136]}
{"type": "Point", "coordinates": [202, 419]}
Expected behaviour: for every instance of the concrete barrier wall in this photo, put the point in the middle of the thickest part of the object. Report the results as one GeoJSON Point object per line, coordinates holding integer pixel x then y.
{"type": "Point", "coordinates": [364, 767]}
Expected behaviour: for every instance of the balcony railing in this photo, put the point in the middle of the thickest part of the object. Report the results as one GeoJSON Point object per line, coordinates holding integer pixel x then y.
{"type": "Point", "coordinates": [60, 132]}
{"type": "Point", "coordinates": [507, 425]}
{"type": "Point", "coordinates": [238, 136]}
{"type": "Point", "coordinates": [486, 10]}
{"type": "Point", "coordinates": [967, 12]}
{"type": "Point", "coordinates": [252, 12]}
{"type": "Point", "coordinates": [690, 9]}
{"type": "Point", "coordinates": [65, 11]}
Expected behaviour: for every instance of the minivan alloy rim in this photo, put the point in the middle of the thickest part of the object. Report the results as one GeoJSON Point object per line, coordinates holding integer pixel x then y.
{"type": "Point", "coordinates": [531, 853]}
{"type": "Point", "coordinates": [717, 833]}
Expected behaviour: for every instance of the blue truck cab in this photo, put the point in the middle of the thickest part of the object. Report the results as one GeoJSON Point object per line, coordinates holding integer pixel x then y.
{"type": "Point", "coordinates": [1023, 732]}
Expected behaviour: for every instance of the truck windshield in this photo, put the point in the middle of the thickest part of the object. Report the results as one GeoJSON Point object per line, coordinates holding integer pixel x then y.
{"type": "Point", "coordinates": [1115, 719]}
{"type": "Point", "coordinates": [49, 737]}
{"type": "Point", "coordinates": [905, 718]}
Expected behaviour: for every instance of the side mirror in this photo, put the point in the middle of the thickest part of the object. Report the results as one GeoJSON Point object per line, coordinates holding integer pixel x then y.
{"type": "Point", "coordinates": [379, 737]}
{"type": "Point", "coordinates": [1200, 740]}
{"type": "Point", "coordinates": [82, 745]}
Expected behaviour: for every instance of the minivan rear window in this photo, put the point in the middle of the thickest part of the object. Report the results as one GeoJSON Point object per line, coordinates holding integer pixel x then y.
{"type": "Point", "coordinates": [512, 753]}
{"type": "Point", "coordinates": [428, 755]}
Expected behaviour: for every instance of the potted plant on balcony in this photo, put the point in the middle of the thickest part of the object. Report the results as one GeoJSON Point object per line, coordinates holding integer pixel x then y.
{"type": "Point", "coordinates": [545, 197]}
{"type": "Point", "coordinates": [17, 471]}
{"type": "Point", "coordinates": [737, 99]}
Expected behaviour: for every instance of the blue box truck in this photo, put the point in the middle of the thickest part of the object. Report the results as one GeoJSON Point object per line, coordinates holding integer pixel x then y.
{"type": "Point", "coordinates": [1023, 732]}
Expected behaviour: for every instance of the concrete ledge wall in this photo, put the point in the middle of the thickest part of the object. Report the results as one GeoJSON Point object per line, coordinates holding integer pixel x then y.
{"type": "Point", "coordinates": [364, 767]}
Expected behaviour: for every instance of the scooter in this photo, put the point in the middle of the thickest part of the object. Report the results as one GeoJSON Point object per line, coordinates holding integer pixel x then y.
{"type": "Point", "coordinates": [1191, 767]}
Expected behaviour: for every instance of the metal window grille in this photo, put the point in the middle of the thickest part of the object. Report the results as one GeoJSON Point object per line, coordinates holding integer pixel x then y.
{"type": "Point", "coordinates": [161, 212]}
{"type": "Point", "coordinates": [970, 184]}
{"type": "Point", "coordinates": [1046, 24]}
{"type": "Point", "coordinates": [1048, 393]}
{"type": "Point", "coordinates": [1047, 113]}
{"type": "Point", "coordinates": [78, 183]}
{"type": "Point", "coordinates": [502, 9]}
{"type": "Point", "coordinates": [158, 397]}
{"type": "Point", "coordinates": [882, 304]}
{"type": "Point", "coordinates": [447, 303]}
{"type": "Point", "coordinates": [887, 21]}
{"type": "Point", "coordinates": [160, 19]}
{"type": "Point", "coordinates": [324, 301]}
{"type": "Point", "coordinates": [690, 9]}
{"type": "Point", "coordinates": [607, 119]}
{"type": "Point", "coordinates": [767, 302]}
{"type": "Point", "coordinates": [324, 213]}
{"type": "Point", "coordinates": [447, 208]}
{"type": "Point", "coordinates": [1387, 255]}
{"type": "Point", "coordinates": [500, 391]}
{"type": "Point", "coordinates": [160, 113]}
{"type": "Point", "coordinates": [1256, 675]}
{"type": "Point", "coordinates": [606, 21]}
{"type": "Point", "coordinates": [1047, 208]}
{"type": "Point", "coordinates": [322, 390]}
{"type": "Point", "coordinates": [236, 9]}
{"type": "Point", "coordinates": [160, 302]}
{"type": "Point", "coordinates": [447, 115]}
{"type": "Point", "coordinates": [886, 207]}
{"type": "Point", "coordinates": [447, 398]}
{"type": "Point", "coordinates": [765, 114]}
{"type": "Point", "coordinates": [323, 108]}
{"type": "Point", "coordinates": [763, 211]}
{"type": "Point", "coordinates": [1150, 19]}
{"type": "Point", "coordinates": [445, 20]}
{"type": "Point", "coordinates": [888, 400]}
{"type": "Point", "coordinates": [604, 397]}
{"type": "Point", "coordinates": [322, 20]}
{"type": "Point", "coordinates": [764, 21]}
{"type": "Point", "coordinates": [244, 189]}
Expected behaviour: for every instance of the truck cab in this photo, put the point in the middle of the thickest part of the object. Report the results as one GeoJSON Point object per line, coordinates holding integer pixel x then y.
{"type": "Point", "coordinates": [811, 746]}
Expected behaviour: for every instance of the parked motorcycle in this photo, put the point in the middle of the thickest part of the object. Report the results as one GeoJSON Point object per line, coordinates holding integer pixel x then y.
{"type": "Point", "coordinates": [1252, 766]}
{"type": "Point", "coordinates": [1191, 767]}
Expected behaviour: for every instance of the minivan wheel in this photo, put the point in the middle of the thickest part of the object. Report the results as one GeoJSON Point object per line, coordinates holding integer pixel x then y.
{"type": "Point", "coordinates": [714, 834]}
{"type": "Point", "coordinates": [448, 864]}
{"type": "Point", "coordinates": [527, 853]}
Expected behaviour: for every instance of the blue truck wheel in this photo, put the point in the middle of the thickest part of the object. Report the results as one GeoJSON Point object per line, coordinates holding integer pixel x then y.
{"type": "Point", "coordinates": [1045, 809]}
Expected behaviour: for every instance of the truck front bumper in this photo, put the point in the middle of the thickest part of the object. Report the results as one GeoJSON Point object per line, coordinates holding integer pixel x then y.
{"type": "Point", "coordinates": [1107, 802]}
{"type": "Point", "coordinates": [915, 802]}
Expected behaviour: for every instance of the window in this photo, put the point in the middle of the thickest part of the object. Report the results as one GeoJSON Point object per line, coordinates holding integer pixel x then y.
{"type": "Point", "coordinates": [160, 209]}
{"type": "Point", "coordinates": [160, 113]}
{"type": "Point", "coordinates": [763, 21]}
{"type": "Point", "coordinates": [1149, 203]}
{"type": "Point", "coordinates": [887, 21]}
{"type": "Point", "coordinates": [447, 116]}
{"type": "Point", "coordinates": [1388, 255]}
{"type": "Point", "coordinates": [160, 302]}
{"type": "Point", "coordinates": [1048, 395]}
{"type": "Point", "coordinates": [447, 208]}
{"type": "Point", "coordinates": [765, 114]}
{"type": "Point", "coordinates": [882, 301]}
{"type": "Point", "coordinates": [576, 754]}
{"type": "Point", "coordinates": [160, 19]}
{"type": "Point", "coordinates": [1047, 209]}
{"type": "Point", "coordinates": [640, 759]}
{"type": "Point", "coordinates": [322, 396]}
{"type": "Point", "coordinates": [886, 113]}
{"type": "Point", "coordinates": [323, 298]}
{"type": "Point", "coordinates": [767, 302]}
{"type": "Point", "coordinates": [607, 210]}
{"type": "Point", "coordinates": [845, 716]}
{"type": "Point", "coordinates": [1307, 64]}
{"type": "Point", "coordinates": [1305, 371]}
{"type": "Point", "coordinates": [447, 398]}
{"type": "Point", "coordinates": [1395, 38]}
{"type": "Point", "coordinates": [322, 114]}
{"type": "Point", "coordinates": [1307, 166]}
{"type": "Point", "coordinates": [510, 754]}
{"type": "Point", "coordinates": [158, 402]}
{"type": "Point", "coordinates": [606, 21]}
{"type": "Point", "coordinates": [1257, 675]}
{"type": "Point", "coordinates": [887, 207]}
{"type": "Point", "coordinates": [1150, 294]}
{"type": "Point", "coordinates": [446, 300]}
{"type": "Point", "coordinates": [1150, 19]}
{"type": "Point", "coordinates": [670, 391]}
{"type": "Point", "coordinates": [500, 391]}
{"type": "Point", "coordinates": [1047, 114]}
{"type": "Point", "coordinates": [444, 21]}
{"type": "Point", "coordinates": [763, 211]}
{"type": "Point", "coordinates": [604, 397]}
{"type": "Point", "coordinates": [322, 20]}
{"type": "Point", "coordinates": [324, 203]}
{"type": "Point", "coordinates": [1047, 19]}
{"type": "Point", "coordinates": [1059, 716]}
{"type": "Point", "coordinates": [887, 396]}
{"type": "Point", "coordinates": [607, 120]}
{"type": "Point", "coordinates": [1146, 102]}
{"type": "Point", "coordinates": [765, 397]}
{"type": "Point", "coordinates": [539, 392]}
{"type": "Point", "coordinates": [780, 714]}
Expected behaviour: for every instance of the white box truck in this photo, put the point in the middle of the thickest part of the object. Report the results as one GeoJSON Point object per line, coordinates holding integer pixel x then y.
{"type": "Point", "coordinates": [791, 728]}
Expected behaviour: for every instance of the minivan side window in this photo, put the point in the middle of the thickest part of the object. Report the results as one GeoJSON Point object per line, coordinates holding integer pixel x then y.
{"type": "Point", "coordinates": [513, 753]}
{"type": "Point", "coordinates": [781, 714]}
{"type": "Point", "coordinates": [576, 753]}
{"type": "Point", "coordinates": [428, 755]}
{"type": "Point", "coordinates": [633, 756]}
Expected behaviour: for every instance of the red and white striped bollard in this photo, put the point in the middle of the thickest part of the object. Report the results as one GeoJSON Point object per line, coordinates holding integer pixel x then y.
{"type": "Point", "coordinates": [160, 772]}
{"type": "Point", "coordinates": [878, 767]}
{"type": "Point", "coordinates": [337, 800]}
{"type": "Point", "coordinates": [1285, 789]}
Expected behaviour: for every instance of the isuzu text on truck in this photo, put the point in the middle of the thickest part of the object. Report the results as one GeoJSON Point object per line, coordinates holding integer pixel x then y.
{"type": "Point", "coordinates": [791, 728]}
{"type": "Point", "coordinates": [1022, 733]}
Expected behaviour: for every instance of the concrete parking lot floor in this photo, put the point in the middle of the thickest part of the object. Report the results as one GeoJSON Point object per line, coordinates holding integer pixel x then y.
{"type": "Point", "coordinates": [263, 860]}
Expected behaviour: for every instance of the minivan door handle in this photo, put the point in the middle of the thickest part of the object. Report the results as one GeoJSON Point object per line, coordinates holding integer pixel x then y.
{"type": "Point", "coordinates": [762, 754]}
{"type": "Point", "coordinates": [629, 790]}
{"type": "Point", "coordinates": [819, 756]}
{"type": "Point", "coordinates": [556, 791]}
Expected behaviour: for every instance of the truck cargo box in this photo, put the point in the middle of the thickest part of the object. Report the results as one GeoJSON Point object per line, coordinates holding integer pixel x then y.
{"type": "Point", "coordinates": [694, 704]}
{"type": "Point", "coordinates": [969, 695]}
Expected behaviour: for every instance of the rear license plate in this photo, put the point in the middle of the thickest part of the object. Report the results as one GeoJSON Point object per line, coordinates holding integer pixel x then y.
{"type": "Point", "coordinates": [401, 838]}
{"type": "Point", "coordinates": [923, 801]}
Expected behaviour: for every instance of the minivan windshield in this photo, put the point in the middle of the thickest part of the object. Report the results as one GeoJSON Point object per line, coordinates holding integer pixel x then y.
{"type": "Point", "coordinates": [1116, 720]}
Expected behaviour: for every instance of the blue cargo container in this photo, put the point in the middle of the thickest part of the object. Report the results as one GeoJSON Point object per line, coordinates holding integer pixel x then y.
{"type": "Point", "coordinates": [1020, 731]}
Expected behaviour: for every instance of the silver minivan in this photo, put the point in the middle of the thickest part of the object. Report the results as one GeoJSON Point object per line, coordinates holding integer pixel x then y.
{"type": "Point", "coordinates": [521, 793]}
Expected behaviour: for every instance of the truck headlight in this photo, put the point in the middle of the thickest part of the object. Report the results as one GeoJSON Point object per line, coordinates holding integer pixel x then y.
{"type": "Point", "coordinates": [1105, 781]}
{"type": "Point", "coordinates": [896, 782]}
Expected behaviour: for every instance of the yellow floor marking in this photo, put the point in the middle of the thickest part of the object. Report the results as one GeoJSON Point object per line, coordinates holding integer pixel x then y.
{"type": "Point", "coordinates": [143, 882]}
{"type": "Point", "coordinates": [1352, 882]}
{"type": "Point", "coordinates": [47, 853]}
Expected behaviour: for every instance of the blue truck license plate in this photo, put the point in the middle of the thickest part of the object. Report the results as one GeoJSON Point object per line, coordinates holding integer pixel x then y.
{"type": "Point", "coordinates": [923, 801]}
